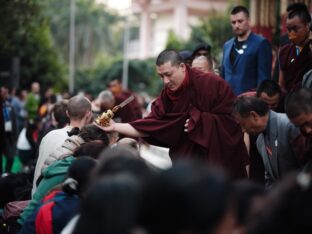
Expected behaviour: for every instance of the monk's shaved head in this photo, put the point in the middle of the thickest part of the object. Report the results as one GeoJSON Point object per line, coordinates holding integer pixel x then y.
{"type": "Point", "coordinates": [169, 55]}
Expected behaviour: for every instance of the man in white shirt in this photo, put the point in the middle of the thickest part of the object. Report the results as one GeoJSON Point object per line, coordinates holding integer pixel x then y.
{"type": "Point", "coordinates": [79, 113]}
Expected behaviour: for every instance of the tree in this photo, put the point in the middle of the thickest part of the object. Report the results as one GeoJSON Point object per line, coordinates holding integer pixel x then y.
{"type": "Point", "coordinates": [142, 76]}
{"type": "Point", "coordinates": [26, 34]}
{"type": "Point", "coordinates": [174, 42]}
{"type": "Point", "coordinates": [214, 31]}
{"type": "Point", "coordinates": [98, 30]}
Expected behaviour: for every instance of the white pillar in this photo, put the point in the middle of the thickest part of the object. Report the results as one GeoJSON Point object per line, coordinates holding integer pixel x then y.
{"type": "Point", "coordinates": [71, 80]}
{"type": "Point", "coordinates": [145, 34]}
{"type": "Point", "coordinates": [180, 19]}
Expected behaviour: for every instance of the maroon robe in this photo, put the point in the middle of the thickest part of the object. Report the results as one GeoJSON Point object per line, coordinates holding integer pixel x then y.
{"type": "Point", "coordinates": [294, 67]}
{"type": "Point", "coordinates": [130, 112]}
{"type": "Point", "coordinates": [213, 135]}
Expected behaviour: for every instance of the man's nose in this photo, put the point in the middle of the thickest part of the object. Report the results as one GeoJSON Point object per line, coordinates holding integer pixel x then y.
{"type": "Point", "coordinates": [236, 25]}
{"type": "Point", "coordinates": [166, 80]}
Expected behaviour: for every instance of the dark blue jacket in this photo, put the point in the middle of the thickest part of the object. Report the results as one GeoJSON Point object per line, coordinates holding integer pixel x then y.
{"type": "Point", "coordinates": [251, 67]}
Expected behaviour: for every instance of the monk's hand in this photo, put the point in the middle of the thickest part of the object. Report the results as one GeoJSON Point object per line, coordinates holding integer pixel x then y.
{"type": "Point", "coordinates": [109, 128]}
{"type": "Point", "coordinates": [186, 125]}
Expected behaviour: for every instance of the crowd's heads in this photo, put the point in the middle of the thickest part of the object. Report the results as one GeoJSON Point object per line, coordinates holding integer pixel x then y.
{"type": "Point", "coordinates": [79, 108]}
{"type": "Point", "coordinates": [287, 209]}
{"type": "Point", "coordinates": [79, 175]}
{"type": "Point", "coordinates": [250, 197]}
{"type": "Point", "coordinates": [171, 69]}
{"type": "Point", "coordinates": [202, 63]}
{"type": "Point", "coordinates": [251, 113]}
{"type": "Point", "coordinates": [297, 23]}
{"type": "Point", "coordinates": [129, 142]}
{"type": "Point", "coordinates": [115, 86]}
{"type": "Point", "coordinates": [4, 91]}
{"type": "Point", "coordinates": [106, 100]}
{"type": "Point", "coordinates": [35, 87]}
{"type": "Point", "coordinates": [169, 55]}
{"type": "Point", "coordinates": [240, 21]}
{"type": "Point", "coordinates": [187, 57]}
{"type": "Point", "coordinates": [91, 132]}
{"type": "Point", "coordinates": [298, 108]}
{"type": "Point", "coordinates": [202, 49]}
{"type": "Point", "coordinates": [188, 198]}
{"type": "Point", "coordinates": [240, 9]}
{"type": "Point", "coordinates": [121, 159]}
{"type": "Point", "coordinates": [270, 92]}
{"type": "Point", "coordinates": [91, 149]}
{"type": "Point", "coordinates": [301, 10]}
{"type": "Point", "coordinates": [58, 114]}
{"type": "Point", "coordinates": [109, 206]}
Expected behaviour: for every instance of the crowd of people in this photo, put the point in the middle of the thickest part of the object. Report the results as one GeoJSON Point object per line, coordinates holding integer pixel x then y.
{"type": "Point", "coordinates": [240, 142]}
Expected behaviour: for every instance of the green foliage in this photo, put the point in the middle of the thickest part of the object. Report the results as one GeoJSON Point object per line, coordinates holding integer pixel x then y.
{"type": "Point", "coordinates": [142, 76]}
{"type": "Point", "coordinates": [26, 34]}
{"type": "Point", "coordinates": [174, 42]}
{"type": "Point", "coordinates": [215, 31]}
{"type": "Point", "coordinates": [97, 30]}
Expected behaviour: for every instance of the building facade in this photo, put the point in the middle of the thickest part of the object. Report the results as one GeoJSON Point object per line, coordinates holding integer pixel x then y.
{"type": "Point", "coordinates": [156, 18]}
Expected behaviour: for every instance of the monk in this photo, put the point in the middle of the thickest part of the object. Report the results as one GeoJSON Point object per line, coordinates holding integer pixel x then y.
{"type": "Point", "coordinates": [295, 58]}
{"type": "Point", "coordinates": [192, 117]}
{"type": "Point", "coordinates": [130, 112]}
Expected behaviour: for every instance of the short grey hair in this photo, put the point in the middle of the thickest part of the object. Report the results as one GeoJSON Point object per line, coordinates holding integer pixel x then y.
{"type": "Point", "coordinates": [106, 95]}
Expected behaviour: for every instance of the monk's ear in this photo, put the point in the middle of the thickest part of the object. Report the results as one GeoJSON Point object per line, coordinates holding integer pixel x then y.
{"type": "Point", "coordinates": [254, 115]}
{"type": "Point", "coordinates": [182, 66]}
{"type": "Point", "coordinates": [67, 113]}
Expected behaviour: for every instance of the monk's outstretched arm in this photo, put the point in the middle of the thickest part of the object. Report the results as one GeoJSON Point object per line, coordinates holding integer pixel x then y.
{"type": "Point", "coordinates": [122, 128]}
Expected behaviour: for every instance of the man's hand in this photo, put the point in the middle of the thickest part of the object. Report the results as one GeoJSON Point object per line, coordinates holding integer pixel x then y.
{"type": "Point", "coordinates": [109, 128]}
{"type": "Point", "coordinates": [186, 125]}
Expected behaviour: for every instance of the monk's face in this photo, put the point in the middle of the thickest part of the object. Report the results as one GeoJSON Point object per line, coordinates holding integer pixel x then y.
{"type": "Point", "coordinates": [240, 24]}
{"type": "Point", "coordinates": [115, 87]}
{"type": "Point", "coordinates": [253, 124]}
{"type": "Point", "coordinates": [172, 76]}
{"type": "Point", "coordinates": [298, 31]}
{"type": "Point", "coordinates": [304, 122]}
